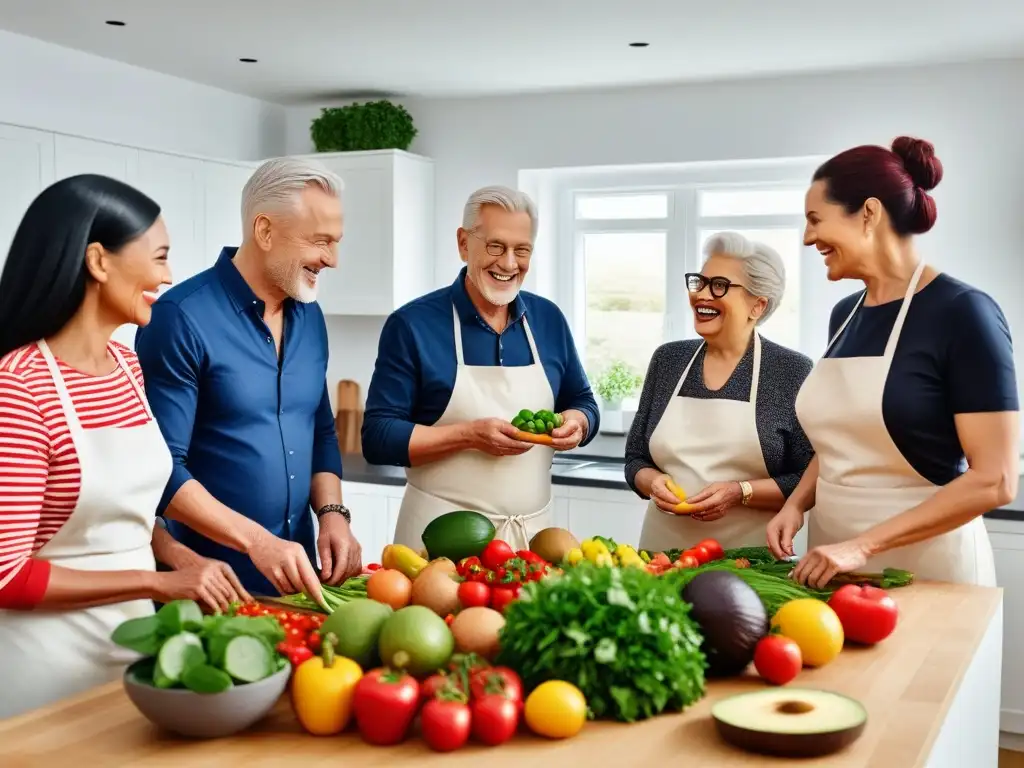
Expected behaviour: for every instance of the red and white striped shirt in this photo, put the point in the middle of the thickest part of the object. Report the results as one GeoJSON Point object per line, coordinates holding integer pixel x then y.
{"type": "Point", "coordinates": [39, 471]}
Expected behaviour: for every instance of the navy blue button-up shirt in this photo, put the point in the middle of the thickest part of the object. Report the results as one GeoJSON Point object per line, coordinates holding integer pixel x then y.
{"type": "Point", "coordinates": [415, 370]}
{"type": "Point", "coordinates": [251, 429]}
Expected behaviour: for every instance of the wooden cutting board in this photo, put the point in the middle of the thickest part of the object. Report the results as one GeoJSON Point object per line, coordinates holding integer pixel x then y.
{"type": "Point", "coordinates": [348, 418]}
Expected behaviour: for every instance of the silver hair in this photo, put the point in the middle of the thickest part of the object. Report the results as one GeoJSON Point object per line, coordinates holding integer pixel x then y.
{"type": "Point", "coordinates": [276, 184]}
{"type": "Point", "coordinates": [763, 267]}
{"type": "Point", "coordinates": [506, 198]}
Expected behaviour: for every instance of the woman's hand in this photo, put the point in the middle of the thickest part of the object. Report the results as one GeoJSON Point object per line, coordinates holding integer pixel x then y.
{"type": "Point", "coordinates": [821, 564]}
{"type": "Point", "coordinates": [782, 528]}
{"type": "Point", "coordinates": [206, 581]}
{"type": "Point", "coordinates": [665, 500]}
{"type": "Point", "coordinates": [714, 501]}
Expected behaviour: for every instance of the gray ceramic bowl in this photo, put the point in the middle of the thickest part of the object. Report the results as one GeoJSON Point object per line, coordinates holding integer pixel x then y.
{"type": "Point", "coordinates": [206, 716]}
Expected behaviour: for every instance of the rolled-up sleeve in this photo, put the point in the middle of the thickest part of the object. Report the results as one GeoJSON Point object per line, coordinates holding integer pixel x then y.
{"type": "Point", "coordinates": [387, 422]}
{"type": "Point", "coordinates": [326, 452]}
{"type": "Point", "coordinates": [171, 357]}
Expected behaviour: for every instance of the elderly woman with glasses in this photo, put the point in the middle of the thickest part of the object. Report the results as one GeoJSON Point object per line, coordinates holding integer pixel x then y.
{"type": "Point", "coordinates": [715, 445]}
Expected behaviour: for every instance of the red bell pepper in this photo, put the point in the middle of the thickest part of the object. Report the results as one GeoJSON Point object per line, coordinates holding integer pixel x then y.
{"type": "Point", "coordinates": [384, 704]}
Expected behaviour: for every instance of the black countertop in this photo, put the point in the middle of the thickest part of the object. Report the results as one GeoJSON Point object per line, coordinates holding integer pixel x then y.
{"type": "Point", "coordinates": [586, 468]}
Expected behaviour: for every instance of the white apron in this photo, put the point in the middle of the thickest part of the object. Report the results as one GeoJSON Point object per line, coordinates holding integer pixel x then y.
{"type": "Point", "coordinates": [513, 491]}
{"type": "Point", "coordinates": [50, 655]}
{"type": "Point", "coordinates": [863, 479]}
{"type": "Point", "coordinates": [702, 441]}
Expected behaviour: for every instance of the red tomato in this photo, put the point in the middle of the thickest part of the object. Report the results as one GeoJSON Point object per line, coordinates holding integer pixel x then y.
{"type": "Point", "coordinates": [313, 641]}
{"type": "Point", "coordinates": [496, 554]}
{"type": "Point", "coordinates": [430, 687]}
{"type": "Point", "coordinates": [501, 596]}
{"type": "Point", "coordinates": [495, 719]}
{"type": "Point", "coordinates": [531, 557]}
{"type": "Point", "coordinates": [445, 724]}
{"type": "Point", "coordinates": [713, 547]}
{"type": "Point", "coordinates": [294, 635]}
{"type": "Point", "coordinates": [496, 681]}
{"type": "Point", "coordinates": [686, 561]}
{"type": "Point", "coordinates": [474, 594]}
{"type": "Point", "coordinates": [777, 659]}
{"type": "Point", "coordinates": [868, 614]}
{"type": "Point", "coordinates": [700, 553]}
{"type": "Point", "coordinates": [384, 704]}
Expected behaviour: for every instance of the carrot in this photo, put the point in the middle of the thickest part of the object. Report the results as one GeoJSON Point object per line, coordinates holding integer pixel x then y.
{"type": "Point", "coordinates": [530, 437]}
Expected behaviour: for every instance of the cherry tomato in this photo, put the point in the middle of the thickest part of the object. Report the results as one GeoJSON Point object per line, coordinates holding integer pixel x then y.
{"type": "Point", "coordinates": [713, 547]}
{"type": "Point", "coordinates": [496, 681]}
{"type": "Point", "coordinates": [700, 553]}
{"type": "Point", "coordinates": [295, 635]}
{"type": "Point", "coordinates": [502, 595]}
{"type": "Point", "coordinates": [474, 594]}
{"type": "Point", "coordinates": [313, 640]}
{"type": "Point", "coordinates": [495, 719]}
{"type": "Point", "coordinates": [496, 554]}
{"type": "Point", "coordinates": [777, 659]}
{"type": "Point", "coordinates": [433, 684]}
{"type": "Point", "coordinates": [686, 561]}
{"type": "Point", "coordinates": [445, 724]}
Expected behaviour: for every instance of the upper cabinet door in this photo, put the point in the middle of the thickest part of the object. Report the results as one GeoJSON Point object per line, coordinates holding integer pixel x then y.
{"type": "Point", "coordinates": [223, 183]}
{"type": "Point", "coordinates": [73, 156]}
{"type": "Point", "coordinates": [176, 184]}
{"type": "Point", "coordinates": [26, 167]}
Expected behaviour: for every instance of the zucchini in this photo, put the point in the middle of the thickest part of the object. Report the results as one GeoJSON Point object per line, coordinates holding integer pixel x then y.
{"type": "Point", "coordinates": [202, 678]}
{"type": "Point", "coordinates": [181, 651]}
{"type": "Point", "coordinates": [248, 659]}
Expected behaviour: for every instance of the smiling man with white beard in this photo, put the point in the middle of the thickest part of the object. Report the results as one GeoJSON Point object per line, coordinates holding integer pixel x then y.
{"type": "Point", "coordinates": [455, 366]}
{"type": "Point", "coordinates": [235, 364]}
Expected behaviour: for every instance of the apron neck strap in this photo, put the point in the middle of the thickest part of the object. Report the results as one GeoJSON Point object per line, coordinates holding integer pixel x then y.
{"type": "Point", "coordinates": [532, 341]}
{"type": "Point", "coordinates": [460, 357]}
{"type": "Point", "coordinates": [131, 377]}
{"type": "Point", "coordinates": [894, 337]}
{"type": "Point", "coordinates": [755, 376]}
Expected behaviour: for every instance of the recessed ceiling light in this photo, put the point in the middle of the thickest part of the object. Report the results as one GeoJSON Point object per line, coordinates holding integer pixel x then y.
{"type": "Point", "coordinates": [248, 61]}
{"type": "Point", "coordinates": [638, 45]}
{"type": "Point", "coordinates": [116, 23]}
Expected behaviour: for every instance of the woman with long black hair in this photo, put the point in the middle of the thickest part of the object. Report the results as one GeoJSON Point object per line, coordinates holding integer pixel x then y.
{"type": "Point", "coordinates": [82, 461]}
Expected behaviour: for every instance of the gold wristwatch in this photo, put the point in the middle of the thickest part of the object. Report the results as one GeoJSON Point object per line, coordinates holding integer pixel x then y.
{"type": "Point", "coordinates": [748, 491]}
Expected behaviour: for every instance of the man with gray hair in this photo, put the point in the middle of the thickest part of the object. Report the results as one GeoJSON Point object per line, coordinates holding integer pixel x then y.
{"type": "Point", "coordinates": [456, 366]}
{"type": "Point", "coordinates": [235, 362]}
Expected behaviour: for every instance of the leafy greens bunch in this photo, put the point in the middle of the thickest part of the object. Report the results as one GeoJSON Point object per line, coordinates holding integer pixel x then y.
{"type": "Point", "coordinates": [623, 636]}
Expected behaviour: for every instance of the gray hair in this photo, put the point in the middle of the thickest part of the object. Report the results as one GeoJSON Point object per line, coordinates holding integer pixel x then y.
{"type": "Point", "coordinates": [276, 184]}
{"type": "Point", "coordinates": [506, 198]}
{"type": "Point", "coordinates": [763, 267]}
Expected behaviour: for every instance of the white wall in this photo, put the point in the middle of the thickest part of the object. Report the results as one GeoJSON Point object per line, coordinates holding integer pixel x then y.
{"type": "Point", "coordinates": [57, 89]}
{"type": "Point", "coordinates": [973, 114]}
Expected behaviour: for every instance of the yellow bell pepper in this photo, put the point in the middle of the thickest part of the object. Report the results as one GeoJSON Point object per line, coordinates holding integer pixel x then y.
{"type": "Point", "coordinates": [575, 556]}
{"type": "Point", "coordinates": [322, 690]}
{"type": "Point", "coordinates": [399, 557]}
{"type": "Point", "coordinates": [592, 549]}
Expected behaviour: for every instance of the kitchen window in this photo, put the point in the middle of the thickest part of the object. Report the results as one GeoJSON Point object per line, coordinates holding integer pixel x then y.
{"type": "Point", "coordinates": [631, 244]}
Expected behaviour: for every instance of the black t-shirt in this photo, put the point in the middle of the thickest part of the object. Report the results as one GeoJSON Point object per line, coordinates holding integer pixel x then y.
{"type": "Point", "coordinates": [954, 355]}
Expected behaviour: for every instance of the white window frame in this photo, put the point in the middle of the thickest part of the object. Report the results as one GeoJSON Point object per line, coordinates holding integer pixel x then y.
{"type": "Point", "coordinates": [682, 224]}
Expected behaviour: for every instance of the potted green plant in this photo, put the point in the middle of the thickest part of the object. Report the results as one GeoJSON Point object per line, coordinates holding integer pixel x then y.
{"type": "Point", "coordinates": [363, 126]}
{"type": "Point", "coordinates": [615, 384]}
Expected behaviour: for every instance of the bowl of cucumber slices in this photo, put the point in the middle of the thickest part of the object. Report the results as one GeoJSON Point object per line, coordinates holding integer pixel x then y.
{"type": "Point", "coordinates": [203, 676]}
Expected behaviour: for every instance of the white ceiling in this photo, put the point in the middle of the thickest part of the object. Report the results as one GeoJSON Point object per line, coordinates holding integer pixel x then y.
{"type": "Point", "coordinates": [321, 49]}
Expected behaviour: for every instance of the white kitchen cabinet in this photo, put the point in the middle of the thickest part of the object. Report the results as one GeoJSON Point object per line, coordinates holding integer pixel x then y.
{"type": "Point", "coordinates": [26, 167]}
{"type": "Point", "coordinates": [74, 156]}
{"type": "Point", "coordinates": [1008, 546]}
{"type": "Point", "coordinates": [374, 511]}
{"type": "Point", "coordinates": [615, 514]}
{"type": "Point", "coordinates": [176, 184]}
{"type": "Point", "coordinates": [222, 185]}
{"type": "Point", "coordinates": [386, 257]}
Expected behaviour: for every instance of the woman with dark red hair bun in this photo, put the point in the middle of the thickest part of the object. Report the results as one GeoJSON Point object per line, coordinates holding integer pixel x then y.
{"type": "Point", "coordinates": [913, 410]}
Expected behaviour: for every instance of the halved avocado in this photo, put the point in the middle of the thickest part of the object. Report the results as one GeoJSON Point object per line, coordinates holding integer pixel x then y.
{"type": "Point", "coordinates": [790, 722]}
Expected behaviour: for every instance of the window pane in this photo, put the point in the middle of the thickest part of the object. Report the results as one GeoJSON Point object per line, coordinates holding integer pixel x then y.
{"type": "Point", "coordinates": [783, 326]}
{"type": "Point", "coordinates": [751, 202]}
{"type": "Point", "coordinates": [625, 295]}
{"type": "Point", "coordinates": [622, 206]}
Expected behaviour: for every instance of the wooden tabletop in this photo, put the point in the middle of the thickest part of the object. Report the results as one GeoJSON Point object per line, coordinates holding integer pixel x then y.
{"type": "Point", "coordinates": [907, 684]}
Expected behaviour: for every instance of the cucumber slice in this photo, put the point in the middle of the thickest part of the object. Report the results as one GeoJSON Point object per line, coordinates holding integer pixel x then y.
{"type": "Point", "coordinates": [202, 678]}
{"type": "Point", "coordinates": [176, 655]}
{"type": "Point", "coordinates": [180, 614]}
{"type": "Point", "coordinates": [248, 658]}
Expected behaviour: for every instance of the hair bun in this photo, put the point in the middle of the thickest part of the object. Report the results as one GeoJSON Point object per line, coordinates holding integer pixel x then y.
{"type": "Point", "coordinates": [919, 159]}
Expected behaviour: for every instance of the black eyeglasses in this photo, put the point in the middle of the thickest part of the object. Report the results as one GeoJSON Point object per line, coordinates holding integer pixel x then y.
{"type": "Point", "coordinates": [696, 282]}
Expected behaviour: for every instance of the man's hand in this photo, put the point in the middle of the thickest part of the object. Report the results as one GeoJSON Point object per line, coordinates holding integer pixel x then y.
{"type": "Point", "coordinates": [341, 556]}
{"type": "Point", "coordinates": [571, 433]}
{"type": "Point", "coordinates": [286, 566]}
{"type": "Point", "coordinates": [496, 437]}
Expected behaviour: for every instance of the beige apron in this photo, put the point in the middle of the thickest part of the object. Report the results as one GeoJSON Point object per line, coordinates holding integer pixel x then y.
{"type": "Point", "coordinates": [50, 655]}
{"type": "Point", "coordinates": [513, 491]}
{"type": "Point", "coordinates": [702, 441]}
{"type": "Point", "coordinates": [863, 479]}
